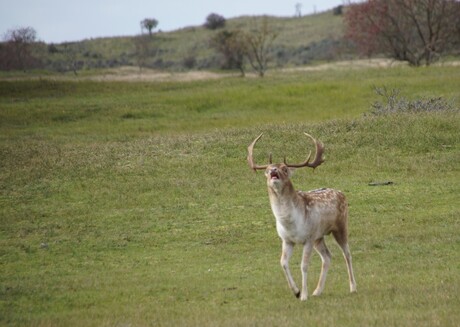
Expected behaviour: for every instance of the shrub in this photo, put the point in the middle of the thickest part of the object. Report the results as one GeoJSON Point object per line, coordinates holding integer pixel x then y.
{"type": "Point", "coordinates": [337, 11]}
{"type": "Point", "coordinates": [52, 48]}
{"type": "Point", "coordinates": [189, 62]}
{"type": "Point", "coordinates": [394, 103]}
{"type": "Point", "coordinates": [214, 21]}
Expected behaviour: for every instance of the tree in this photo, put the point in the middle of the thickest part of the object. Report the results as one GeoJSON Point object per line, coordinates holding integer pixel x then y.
{"type": "Point", "coordinates": [214, 21]}
{"type": "Point", "coordinates": [416, 31]}
{"type": "Point", "coordinates": [18, 48]}
{"type": "Point", "coordinates": [149, 24]}
{"type": "Point", "coordinates": [142, 45]}
{"type": "Point", "coordinates": [259, 41]}
{"type": "Point", "coordinates": [231, 44]}
{"type": "Point", "coordinates": [71, 50]}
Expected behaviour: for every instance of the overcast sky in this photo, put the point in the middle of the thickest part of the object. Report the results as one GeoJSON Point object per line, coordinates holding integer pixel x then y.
{"type": "Point", "coordinates": [61, 20]}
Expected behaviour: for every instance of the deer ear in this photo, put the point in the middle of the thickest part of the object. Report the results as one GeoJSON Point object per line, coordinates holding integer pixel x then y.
{"type": "Point", "coordinates": [290, 171]}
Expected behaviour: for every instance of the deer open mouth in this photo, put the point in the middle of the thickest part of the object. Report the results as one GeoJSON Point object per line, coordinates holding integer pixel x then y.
{"type": "Point", "coordinates": [274, 175]}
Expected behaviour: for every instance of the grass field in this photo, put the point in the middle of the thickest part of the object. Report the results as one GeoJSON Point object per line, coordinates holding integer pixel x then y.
{"type": "Point", "coordinates": [131, 204]}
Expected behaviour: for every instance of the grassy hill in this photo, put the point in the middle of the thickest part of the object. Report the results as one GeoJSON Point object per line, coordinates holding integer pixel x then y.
{"type": "Point", "coordinates": [132, 203]}
{"type": "Point", "coordinates": [300, 40]}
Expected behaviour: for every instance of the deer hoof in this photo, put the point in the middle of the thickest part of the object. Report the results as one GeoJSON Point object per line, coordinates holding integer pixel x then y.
{"type": "Point", "coordinates": [316, 293]}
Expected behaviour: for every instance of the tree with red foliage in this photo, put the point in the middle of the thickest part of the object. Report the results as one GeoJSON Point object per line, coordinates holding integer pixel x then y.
{"type": "Point", "coordinates": [416, 31]}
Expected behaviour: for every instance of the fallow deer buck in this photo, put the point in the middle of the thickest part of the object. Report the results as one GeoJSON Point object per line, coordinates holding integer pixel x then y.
{"type": "Point", "coordinates": [305, 218]}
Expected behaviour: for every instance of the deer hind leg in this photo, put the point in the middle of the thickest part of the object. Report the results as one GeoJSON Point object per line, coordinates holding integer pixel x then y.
{"type": "Point", "coordinates": [286, 254]}
{"type": "Point", "coordinates": [323, 251]}
{"type": "Point", "coordinates": [342, 240]}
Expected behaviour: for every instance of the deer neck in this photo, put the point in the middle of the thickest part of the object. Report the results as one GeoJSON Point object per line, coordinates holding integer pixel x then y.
{"type": "Point", "coordinates": [282, 196]}
{"type": "Point", "coordinates": [285, 205]}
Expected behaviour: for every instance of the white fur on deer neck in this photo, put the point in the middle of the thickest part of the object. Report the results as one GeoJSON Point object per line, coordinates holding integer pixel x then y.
{"type": "Point", "coordinates": [290, 222]}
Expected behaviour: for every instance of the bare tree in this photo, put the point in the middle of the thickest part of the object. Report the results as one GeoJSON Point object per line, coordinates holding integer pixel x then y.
{"type": "Point", "coordinates": [71, 50]}
{"type": "Point", "coordinates": [259, 41]}
{"type": "Point", "coordinates": [417, 31]}
{"type": "Point", "coordinates": [17, 52]}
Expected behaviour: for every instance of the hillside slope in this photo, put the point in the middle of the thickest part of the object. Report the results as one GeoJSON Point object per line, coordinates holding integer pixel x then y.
{"type": "Point", "coordinates": [300, 40]}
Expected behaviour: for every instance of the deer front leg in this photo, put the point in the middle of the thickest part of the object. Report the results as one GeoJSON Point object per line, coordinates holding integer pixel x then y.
{"type": "Point", "coordinates": [307, 249]}
{"type": "Point", "coordinates": [286, 254]}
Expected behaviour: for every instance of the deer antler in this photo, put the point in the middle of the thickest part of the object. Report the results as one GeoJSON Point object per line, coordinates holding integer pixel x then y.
{"type": "Point", "coordinates": [316, 162]}
{"type": "Point", "coordinates": [318, 156]}
{"type": "Point", "coordinates": [251, 158]}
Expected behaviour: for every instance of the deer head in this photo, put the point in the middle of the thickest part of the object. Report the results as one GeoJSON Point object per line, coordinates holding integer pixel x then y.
{"type": "Point", "coordinates": [279, 174]}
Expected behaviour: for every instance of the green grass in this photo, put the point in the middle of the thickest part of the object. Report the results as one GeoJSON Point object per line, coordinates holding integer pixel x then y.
{"type": "Point", "coordinates": [131, 204]}
{"type": "Point", "coordinates": [94, 109]}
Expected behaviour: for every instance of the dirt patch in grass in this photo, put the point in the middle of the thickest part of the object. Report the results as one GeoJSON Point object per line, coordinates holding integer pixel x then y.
{"type": "Point", "coordinates": [134, 74]}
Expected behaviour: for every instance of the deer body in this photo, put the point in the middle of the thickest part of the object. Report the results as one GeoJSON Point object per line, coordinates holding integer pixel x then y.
{"type": "Point", "coordinates": [305, 218]}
